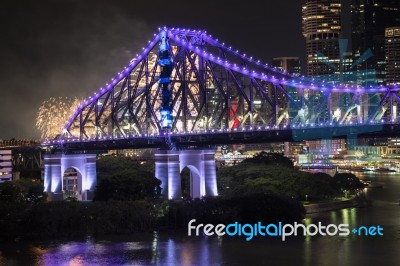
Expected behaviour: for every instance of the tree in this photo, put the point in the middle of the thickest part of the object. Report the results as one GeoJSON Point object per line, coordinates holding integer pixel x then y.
{"type": "Point", "coordinates": [128, 185]}
{"type": "Point", "coordinates": [32, 191]}
{"type": "Point", "coordinates": [9, 192]}
{"type": "Point", "coordinates": [23, 190]}
{"type": "Point", "coordinates": [347, 181]}
{"type": "Point", "coordinates": [120, 178]}
{"type": "Point", "coordinates": [107, 166]}
{"type": "Point", "coordinates": [270, 159]}
{"type": "Point", "coordinates": [263, 174]}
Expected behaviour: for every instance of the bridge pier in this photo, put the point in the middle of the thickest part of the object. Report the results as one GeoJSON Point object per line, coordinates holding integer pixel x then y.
{"type": "Point", "coordinates": [203, 181]}
{"type": "Point", "coordinates": [82, 183]}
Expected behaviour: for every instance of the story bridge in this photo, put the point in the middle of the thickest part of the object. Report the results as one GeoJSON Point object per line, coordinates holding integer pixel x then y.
{"type": "Point", "coordinates": [188, 90]}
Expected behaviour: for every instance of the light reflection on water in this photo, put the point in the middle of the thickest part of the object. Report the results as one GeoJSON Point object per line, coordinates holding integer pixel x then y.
{"type": "Point", "coordinates": [163, 248]}
{"type": "Point", "coordinates": [151, 250]}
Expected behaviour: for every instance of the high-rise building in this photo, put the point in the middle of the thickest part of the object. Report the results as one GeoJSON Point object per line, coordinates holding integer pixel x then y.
{"type": "Point", "coordinates": [321, 28]}
{"type": "Point", "coordinates": [369, 20]}
{"type": "Point", "coordinates": [5, 165]}
{"type": "Point", "coordinates": [392, 54]}
{"type": "Point", "coordinates": [289, 64]}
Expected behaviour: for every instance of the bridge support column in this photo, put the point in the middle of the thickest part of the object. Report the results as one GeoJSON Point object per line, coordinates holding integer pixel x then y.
{"type": "Point", "coordinates": [53, 176]}
{"type": "Point", "coordinates": [201, 163]}
{"type": "Point", "coordinates": [55, 165]}
{"type": "Point", "coordinates": [161, 170]}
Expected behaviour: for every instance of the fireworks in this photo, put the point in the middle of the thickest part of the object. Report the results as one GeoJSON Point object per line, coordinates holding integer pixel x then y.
{"type": "Point", "coordinates": [53, 114]}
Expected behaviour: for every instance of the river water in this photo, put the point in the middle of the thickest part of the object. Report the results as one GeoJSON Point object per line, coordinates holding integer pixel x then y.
{"type": "Point", "coordinates": [162, 248]}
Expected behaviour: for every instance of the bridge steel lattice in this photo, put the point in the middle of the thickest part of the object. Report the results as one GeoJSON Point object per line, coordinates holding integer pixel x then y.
{"type": "Point", "coordinates": [217, 89]}
{"type": "Point", "coordinates": [212, 94]}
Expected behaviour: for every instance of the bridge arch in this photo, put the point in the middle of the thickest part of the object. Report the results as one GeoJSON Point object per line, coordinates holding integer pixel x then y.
{"type": "Point", "coordinates": [71, 183]}
{"type": "Point", "coordinates": [194, 181]}
{"type": "Point", "coordinates": [56, 165]}
{"type": "Point", "coordinates": [169, 165]}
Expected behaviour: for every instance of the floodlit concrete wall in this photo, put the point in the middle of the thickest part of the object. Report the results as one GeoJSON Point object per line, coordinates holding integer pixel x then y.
{"type": "Point", "coordinates": [56, 164]}
{"type": "Point", "coordinates": [201, 163]}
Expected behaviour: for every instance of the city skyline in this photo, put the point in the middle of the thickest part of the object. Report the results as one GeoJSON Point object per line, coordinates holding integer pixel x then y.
{"type": "Point", "coordinates": [322, 26]}
{"type": "Point", "coordinates": [369, 20]}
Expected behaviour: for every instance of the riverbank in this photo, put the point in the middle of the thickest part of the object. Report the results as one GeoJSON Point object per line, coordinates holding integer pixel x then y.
{"type": "Point", "coordinates": [335, 205]}
{"type": "Point", "coordinates": [55, 220]}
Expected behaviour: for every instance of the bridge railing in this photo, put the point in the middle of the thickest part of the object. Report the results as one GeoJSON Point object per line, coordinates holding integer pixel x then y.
{"type": "Point", "coordinates": [18, 143]}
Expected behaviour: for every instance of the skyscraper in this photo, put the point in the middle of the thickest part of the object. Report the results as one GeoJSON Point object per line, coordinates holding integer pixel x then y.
{"type": "Point", "coordinates": [369, 20]}
{"type": "Point", "coordinates": [289, 64]}
{"type": "Point", "coordinates": [392, 51]}
{"type": "Point", "coordinates": [321, 28]}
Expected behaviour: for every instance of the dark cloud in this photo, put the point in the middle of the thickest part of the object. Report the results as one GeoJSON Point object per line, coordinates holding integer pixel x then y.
{"type": "Point", "coordinates": [54, 48]}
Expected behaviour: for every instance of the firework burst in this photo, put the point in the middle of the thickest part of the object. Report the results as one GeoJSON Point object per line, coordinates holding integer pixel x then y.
{"type": "Point", "coordinates": [53, 114]}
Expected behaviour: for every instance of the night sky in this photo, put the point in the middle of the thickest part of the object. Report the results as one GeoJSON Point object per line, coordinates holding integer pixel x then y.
{"type": "Point", "coordinates": [52, 48]}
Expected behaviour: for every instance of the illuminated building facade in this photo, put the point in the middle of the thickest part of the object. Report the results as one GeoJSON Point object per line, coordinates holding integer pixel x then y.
{"type": "Point", "coordinates": [393, 148]}
{"type": "Point", "coordinates": [321, 28]}
{"type": "Point", "coordinates": [369, 20]}
{"type": "Point", "coordinates": [326, 146]}
{"type": "Point", "coordinates": [5, 165]}
{"type": "Point", "coordinates": [291, 65]}
{"type": "Point", "coordinates": [392, 52]}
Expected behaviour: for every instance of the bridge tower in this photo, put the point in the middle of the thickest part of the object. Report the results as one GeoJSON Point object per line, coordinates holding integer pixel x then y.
{"type": "Point", "coordinates": [73, 174]}
{"type": "Point", "coordinates": [201, 163]}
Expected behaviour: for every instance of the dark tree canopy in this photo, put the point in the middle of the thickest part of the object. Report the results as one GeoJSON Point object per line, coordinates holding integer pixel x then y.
{"type": "Point", "coordinates": [347, 181]}
{"type": "Point", "coordinates": [20, 191]}
{"type": "Point", "coordinates": [270, 159]}
{"type": "Point", "coordinates": [273, 173]}
{"type": "Point", "coordinates": [121, 178]}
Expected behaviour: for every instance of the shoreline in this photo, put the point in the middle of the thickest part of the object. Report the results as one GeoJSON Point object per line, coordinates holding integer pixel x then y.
{"type": "Point", "coordinates": [331, 206]}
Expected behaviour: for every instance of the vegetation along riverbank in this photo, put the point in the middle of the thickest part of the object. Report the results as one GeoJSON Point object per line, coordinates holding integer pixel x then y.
{"type": "Point", "coordinates": [266, 188]}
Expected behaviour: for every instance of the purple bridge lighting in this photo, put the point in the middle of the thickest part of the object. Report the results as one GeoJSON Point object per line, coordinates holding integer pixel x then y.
{"type": "Point", "coordinates": [186, 90]}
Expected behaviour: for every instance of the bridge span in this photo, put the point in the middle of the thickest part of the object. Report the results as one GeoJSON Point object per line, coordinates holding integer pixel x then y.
{"type": "Point", "coordinates": [187, 90]}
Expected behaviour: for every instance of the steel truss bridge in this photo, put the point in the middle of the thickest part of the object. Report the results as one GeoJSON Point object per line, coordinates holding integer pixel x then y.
{"type": "Point", "coordinates": [217, 95]}
{"type": "Point", "coordinates": [26, 156]}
